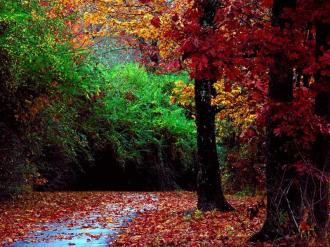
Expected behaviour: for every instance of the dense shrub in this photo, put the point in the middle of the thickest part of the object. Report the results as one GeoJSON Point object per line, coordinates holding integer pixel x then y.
{"type": "Point", "coordinates": [65, 116]}
{"type": "Point", "coordinates": [137, 111]}
{"type": "Point", "coordinates": [30, 62]}
{"type": "Point", "coordinates": [136, 122]}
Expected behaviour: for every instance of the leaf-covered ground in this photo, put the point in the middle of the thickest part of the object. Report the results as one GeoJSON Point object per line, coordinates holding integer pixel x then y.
{"type": "Point", "coordinates": [160, 219]}
{"type": "Point", "coordinates": [74, 212]}
{"type": "Point", "coordinates": [173, 222]}
{"type": "Point", "coordinates": [177, 223]}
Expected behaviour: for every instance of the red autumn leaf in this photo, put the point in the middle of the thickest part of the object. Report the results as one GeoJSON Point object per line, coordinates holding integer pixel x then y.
{"type": "Point", "coordinates": [267, 3]}
{"type": "Point", "coordinates": [175, 18]}
{"type": "Point", "coordinates": [44, 3]}
{"type": "Point", "coordinates": [144, 1]}
{"type": "Point", "coordinates": [155, 22]}
{"type": "Point", "coordinates": [227, 86]}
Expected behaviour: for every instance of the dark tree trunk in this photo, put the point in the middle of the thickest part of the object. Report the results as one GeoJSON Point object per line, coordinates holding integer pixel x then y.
{"type": "Point", "coordinates": [321, 150]}
{"type": "Point", "coordinates": [283, 196]}
{"type": "Point", "coordinates": [209, 188]}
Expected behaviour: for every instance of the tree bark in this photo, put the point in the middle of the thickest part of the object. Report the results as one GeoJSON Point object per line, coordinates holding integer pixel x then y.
{"type": "Point", "coordinates": [283, 198]}
{"type": "Point", "coordinates": [321, 152]}
{"type": "Point", "coordinates": [209, 188]}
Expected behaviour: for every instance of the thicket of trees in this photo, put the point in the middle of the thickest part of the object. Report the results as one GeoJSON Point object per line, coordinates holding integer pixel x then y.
{"type": "Point", "coordinates": [257, 99]}
{"type": "Point", "coordinates": [276, 56]}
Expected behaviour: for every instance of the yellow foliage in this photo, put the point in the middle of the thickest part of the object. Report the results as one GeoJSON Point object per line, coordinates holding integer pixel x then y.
{"type": "Point", "coordinates": [115, 17]}
{"type": "Point", "coordinates": [183, 94]}
{"type": "Point", "coordinates": [234, 104]}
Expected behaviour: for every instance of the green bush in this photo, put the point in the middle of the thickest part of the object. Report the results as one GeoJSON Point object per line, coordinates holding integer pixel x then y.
{"type": "Point", "coordinates": [64, 108]}
{"type": "Point", "coordinates": [137, 110]}
{"type": "Point", "coordinates": [30, 62]}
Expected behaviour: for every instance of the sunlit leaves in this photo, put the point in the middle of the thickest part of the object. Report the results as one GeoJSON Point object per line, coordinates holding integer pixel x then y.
{"type": "Point", "coordinates": [233, 104]}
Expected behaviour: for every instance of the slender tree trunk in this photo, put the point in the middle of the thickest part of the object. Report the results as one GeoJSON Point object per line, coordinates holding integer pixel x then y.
{"type": "Point", "coordinates": [321, 151]}
{"type": "Point", "coordinates": [209, 188]}
{"type": "Point", "coordinates": [282, 195]}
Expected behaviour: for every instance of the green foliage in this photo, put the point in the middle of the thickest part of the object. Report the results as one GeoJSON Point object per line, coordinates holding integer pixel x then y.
{"type": "Point", "coordinates": [27, 55]}
{"type": "Point", "coordinates": [64, 106]}
{"type": "Point", "coordinates": [30, 41]}
{"type": "Point", "coordinates": [137, 113]}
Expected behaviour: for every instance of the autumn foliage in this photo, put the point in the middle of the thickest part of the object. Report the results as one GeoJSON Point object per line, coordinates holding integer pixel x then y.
{"type": "Point", "coordinates": [227, 96]}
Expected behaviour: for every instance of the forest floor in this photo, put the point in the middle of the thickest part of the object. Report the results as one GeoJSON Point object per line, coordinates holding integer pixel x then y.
{"type": "Point", "coordinates": [125, 219]}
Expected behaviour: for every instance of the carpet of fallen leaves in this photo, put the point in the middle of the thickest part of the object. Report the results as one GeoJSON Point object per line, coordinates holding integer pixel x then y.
{"type": "Point", "coordinates": [176, 222]}
{"type": "Point", "coordinates": [172, 221]}
{"type": "Point", "coordinates": [27, 214]}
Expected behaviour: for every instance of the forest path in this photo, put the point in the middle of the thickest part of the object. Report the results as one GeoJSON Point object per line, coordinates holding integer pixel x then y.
{"type": "Point", "coordinates": [94, 225]}
{"type": "Point", "coordinates": [60, 219]}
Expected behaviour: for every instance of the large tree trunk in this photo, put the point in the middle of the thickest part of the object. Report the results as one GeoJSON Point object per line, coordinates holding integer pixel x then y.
{"type": "Point", "coordinates": [282, 194]}
{"type": "Point", "coordinates": [209, 188]}
{"type": "Point", "coordinates": [321, 151]}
